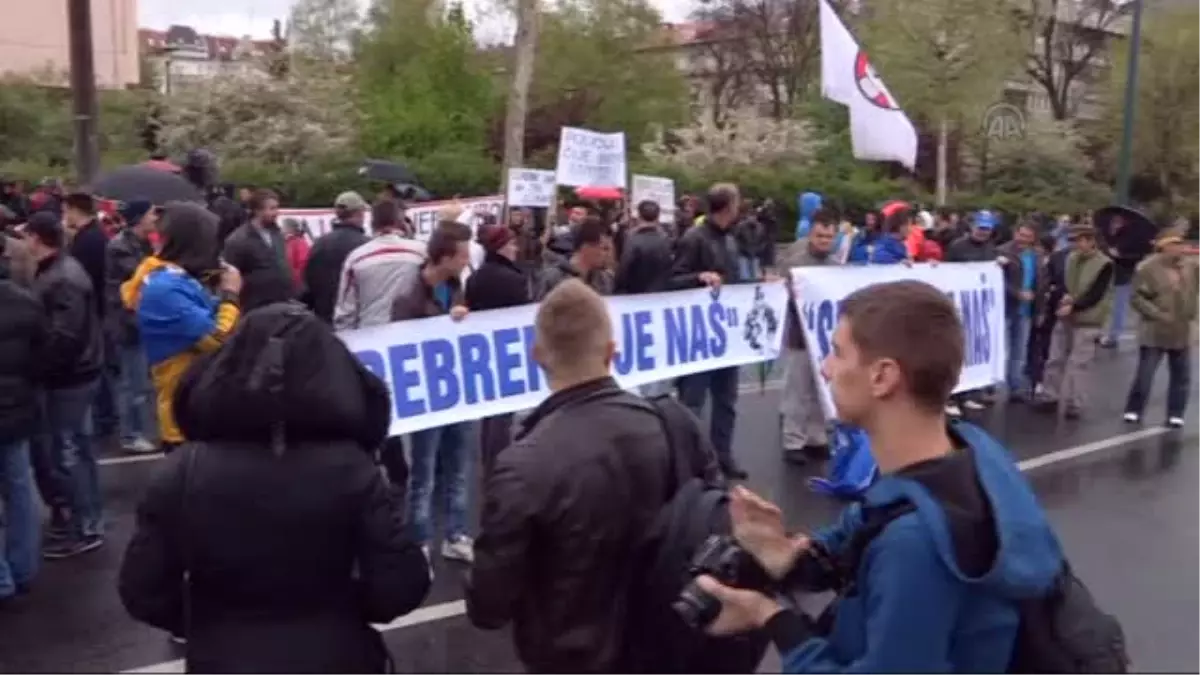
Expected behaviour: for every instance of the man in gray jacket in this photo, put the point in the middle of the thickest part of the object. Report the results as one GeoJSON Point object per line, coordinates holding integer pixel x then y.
{"type": "Point", "coordinates": [804, 434]}
{"type": "Point", "coordinates": [375, 271]}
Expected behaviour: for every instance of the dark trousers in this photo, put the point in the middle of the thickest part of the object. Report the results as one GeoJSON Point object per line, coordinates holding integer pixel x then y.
{"type": "Point", "coordinates": [495, 433]}
{"type": "Point", "coordinates": [1178, 379]}
{"type": "Point", "coordinates": [721, 386]}
{"type": "Point", "coordinates": [1039, 350]}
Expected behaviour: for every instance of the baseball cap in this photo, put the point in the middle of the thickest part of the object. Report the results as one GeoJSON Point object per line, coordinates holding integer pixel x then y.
{"type": "Point", "coordinates": [133, 211]}
{"type": "Point", "coordinates": [985, 220]}
{"type": "Point", "coordinates": [350, 201]}
{"type": "Point", "coordinates": [46, 228]}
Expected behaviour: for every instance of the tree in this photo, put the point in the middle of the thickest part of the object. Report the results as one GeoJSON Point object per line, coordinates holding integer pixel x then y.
{"type": "Point", "coordinates": [517, 110]}
{"type": "Point", "coordinates": [745, 139]}
{"type": "Point", "coordinates": [422, 85]}
{"type": "Point", "coordinates": [720, 70]}
{"type": "Point", "coordinates": [1165, 134]}
{"type": "Point", "coordinates": [945, 60]}
{"type": "Point", "coordinates": [1064, 37]}
{"type": "Point", "coordinates": [323, 30]}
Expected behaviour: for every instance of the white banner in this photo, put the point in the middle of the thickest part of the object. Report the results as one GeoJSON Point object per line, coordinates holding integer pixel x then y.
{"type": "Point", "coordinates": [590, 158]}
{"type": "Point", "coordinates": [531, 187]}
{"type": "Point", "coordinates": [423, 215]}
{"type": "Point", "coordinates": [659, 190]}
{"type": "Point", "coordinates": [441, 371]}
{"type": "Point", "coordinates": [976, 288]}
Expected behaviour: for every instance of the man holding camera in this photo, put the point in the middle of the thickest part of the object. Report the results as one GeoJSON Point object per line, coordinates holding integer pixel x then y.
{"type": "Point", "coordinates": [931, 566]}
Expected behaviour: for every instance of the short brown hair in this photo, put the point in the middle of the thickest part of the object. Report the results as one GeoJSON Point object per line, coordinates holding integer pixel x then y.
{"type": "Point", "coordinates": [386, 215]}
{"type": "Point", "coordinates": [915, 325]}
{"type": "Point", "coordinates": [445, 239]}
{"type": "Point", "coordinates": [259, 199]}
{"type": "Point", "coordinates": [572, 323]}
{"type": "Point", "coordinates": [721, 196]}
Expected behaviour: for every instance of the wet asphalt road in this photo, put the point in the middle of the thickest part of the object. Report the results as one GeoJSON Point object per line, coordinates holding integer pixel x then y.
{"type": "Point", "coordinates": [1123, 500]}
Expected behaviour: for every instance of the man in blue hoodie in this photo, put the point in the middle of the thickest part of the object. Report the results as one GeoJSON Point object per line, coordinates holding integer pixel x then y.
{"type": "Point", "coordinates": [937, 588]}
{"type": "Point", "coordinates": [808, 204]}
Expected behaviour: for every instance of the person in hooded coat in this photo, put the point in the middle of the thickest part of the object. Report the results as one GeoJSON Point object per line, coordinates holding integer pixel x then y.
{"type": "Point", "coordinates": [177, 315]}
{"type": "Point", "coordinates": [290, 539]}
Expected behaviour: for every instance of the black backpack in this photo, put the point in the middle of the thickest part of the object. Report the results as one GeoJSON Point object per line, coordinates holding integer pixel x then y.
{"type": "Point", "coordinates": [658, 639]}
{"type": "Point", "coordinates": [1064, 631]}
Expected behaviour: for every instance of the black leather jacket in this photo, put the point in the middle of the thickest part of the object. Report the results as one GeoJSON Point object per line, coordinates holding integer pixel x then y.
{"type": "Point", "coordinates": [73, 350]}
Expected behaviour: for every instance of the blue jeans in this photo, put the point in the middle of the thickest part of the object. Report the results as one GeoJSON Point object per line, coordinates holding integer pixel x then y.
{"type": "Point", "coordinates": [722, 386]}
{"type": "Point", "coordinates": [133, 392]}
{"type": "Point", "coordinates": [1120, 306]}
{"type": "Point", "coordinates": [440, 460]}
{"type": "Point", "coordinates": [106, 411]}
{"type": "Point", "coordinates": [20, 523]}
{"type": "Point", "coordinates": [749, 268]}
{"type": "Point", "coordinates": [1179, 373]}
{"type": "Point", "coordinates": [1018, 352]}
{"type": "Point", "coordinates": [64, 465]}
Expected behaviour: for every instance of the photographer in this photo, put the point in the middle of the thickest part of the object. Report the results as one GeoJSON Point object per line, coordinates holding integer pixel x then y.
{"type": "Point", "coordinates": [931, 566]}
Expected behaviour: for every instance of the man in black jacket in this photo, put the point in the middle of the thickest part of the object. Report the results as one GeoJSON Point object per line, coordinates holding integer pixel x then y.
{"type": "Point", "coordinates": [570, 498]}
{"type": "Point", "coordinates": [324, 270]}
{"type": "Point", "coordinates": [70, 362]}
{"type": "Point", "coordinates": [707, 256]}
{"type": "Point", "coordinates": [257, 249]}
{"type": "Point", "coordinates": [88, 244]}
{"type": "Point", "coordinates": [125, 252]}
{"type": "Point", "coordinates": [645, 264]}
{"type": "Point", "coordinates": [21, 334]}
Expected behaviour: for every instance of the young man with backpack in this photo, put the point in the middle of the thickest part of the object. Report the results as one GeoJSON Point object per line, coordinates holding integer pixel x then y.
{"type": "Point", "coordinates": [948, 564]}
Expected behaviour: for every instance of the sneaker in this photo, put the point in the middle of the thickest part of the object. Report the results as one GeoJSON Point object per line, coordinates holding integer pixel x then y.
{"type": "Point", "coordinates": [971, 404]}
{"type": "Point", "coordinates": [1175, 422]}
{"type": "Point", "coordinates": [459, 548]}
{"type": "Point", "coordinates": [795, 456]}
{"type": "Point", "coordinates": [59, 527]}
{"type": "Point", "coordinates": [1073, 412]}
{"type": "Point", "coordinates": [178, 639]}
{"type": "Point", "coordinates": [953, 410]}
{"type": "Point", "coordinates": [138, 446]}
{"type": "Point", "coordinates": [428, 560]}
{"type": "Point", "coordinates": [69, 548]}
{"type": "Point", "coordinates": [1132, 417]}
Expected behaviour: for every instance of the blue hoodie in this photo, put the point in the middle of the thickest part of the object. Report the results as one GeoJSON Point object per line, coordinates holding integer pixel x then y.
{"type": "Point", "coordinates": [807, 203]}
{"type": "Point", "coordinates": [877, 249]}
{"type": "Point", "coordinates": [915, 611]}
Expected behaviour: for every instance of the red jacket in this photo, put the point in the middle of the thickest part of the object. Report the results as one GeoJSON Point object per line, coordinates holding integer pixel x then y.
{"type": "Point", "coordinates": [298, 249]}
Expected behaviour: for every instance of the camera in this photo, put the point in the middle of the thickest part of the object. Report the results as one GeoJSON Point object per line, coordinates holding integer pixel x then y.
{"type": "Point", "coordinates": [722, 558]}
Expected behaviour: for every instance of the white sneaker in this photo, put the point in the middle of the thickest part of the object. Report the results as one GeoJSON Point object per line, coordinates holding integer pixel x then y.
{"type": "Point", "coordinates": [428, 560]}
{"type": "Point", "coordinates": [1132, 417]}
{"type": "Point", "coordinates": [1175, 422]}
{"type": "Point", "coordinates": [139, 446]}
{"type": "Point", "coordinates": [953, 410]}
{"type": "Point", "coordinates": [459, 548]}
{"type": "Point", "coordinates": [974, 405]}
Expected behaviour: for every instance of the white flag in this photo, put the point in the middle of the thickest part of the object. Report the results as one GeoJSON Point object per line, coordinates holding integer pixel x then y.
{"type": "Point", "coordinates": [879, 129]}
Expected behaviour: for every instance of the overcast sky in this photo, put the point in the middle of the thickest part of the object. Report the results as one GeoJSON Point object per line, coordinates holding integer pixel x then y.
{"type": "Point", "coordinates": [254, 17]}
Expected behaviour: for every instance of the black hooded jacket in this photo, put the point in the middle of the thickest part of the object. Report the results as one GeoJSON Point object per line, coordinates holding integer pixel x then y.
{"type": "Point", "coordinates": [324, 270]}
{"type": "Point", "coordinates": [293, 541]}
{"type": "Point", "coordinates": [21, 333]}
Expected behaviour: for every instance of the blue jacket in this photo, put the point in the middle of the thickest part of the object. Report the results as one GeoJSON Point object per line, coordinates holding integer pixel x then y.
{"type": "Point", "coordinates": [915, 611]}
{"type": "Point", "coordinates": [877, 249]}
{"type": "Point", "coordinates": [807, 204]}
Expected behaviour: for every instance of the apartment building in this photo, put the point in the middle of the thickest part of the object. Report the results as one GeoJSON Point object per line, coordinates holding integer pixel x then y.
{"type": "Point", "coordinates": [34, 41]}
{"type": "Point", "coordinates": [180, 56]}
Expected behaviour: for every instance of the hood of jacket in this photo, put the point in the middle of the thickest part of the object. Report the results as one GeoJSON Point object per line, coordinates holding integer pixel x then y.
{"type": "Point", "coordinates": [283, 369]}
{"type": "Point", "coordinates": [806, 204]}
{"type": "Point", "coordinates": [189, 238]}
{"type": "Point", "coordinates": [1028, 558]}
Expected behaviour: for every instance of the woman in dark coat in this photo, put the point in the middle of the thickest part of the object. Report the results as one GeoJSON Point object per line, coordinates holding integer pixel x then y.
{"type": "Point", "coordinates": [290, 541]}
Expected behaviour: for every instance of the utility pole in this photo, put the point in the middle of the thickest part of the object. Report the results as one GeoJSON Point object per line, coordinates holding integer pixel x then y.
{"type": "Point", "coordinates": [1131, 88]}
{"type": "Point", "coordinates": [83, 89]}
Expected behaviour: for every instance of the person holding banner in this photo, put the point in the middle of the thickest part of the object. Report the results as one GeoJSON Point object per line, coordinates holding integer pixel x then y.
{"type": "Point", "coordinates": [707, 256]}
{"type": "Point", "coordinates": [590, 261]}
{"type": "Point", "coordinates": [376, 271]}
{"type": "Point", "coordinates": [804, 434]}
{"type": "Point", "coordinates": [439, 455]}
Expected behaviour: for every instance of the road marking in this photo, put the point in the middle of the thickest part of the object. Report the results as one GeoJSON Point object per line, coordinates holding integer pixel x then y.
{"type": "Point", "coordinates": [752, 388]}
{"type": "Point", "coordinates": [447, 610]}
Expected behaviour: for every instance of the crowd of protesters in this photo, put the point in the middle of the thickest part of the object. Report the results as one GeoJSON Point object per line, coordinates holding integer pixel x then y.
{"type": "Point", "coordinates": [270, 540]}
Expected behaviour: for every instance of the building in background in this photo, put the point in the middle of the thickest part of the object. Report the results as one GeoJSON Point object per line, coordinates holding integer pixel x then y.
{"type": "Point", "coordinates": [180, 56]}
{"type": "Point", "coordinates": [34, 41]}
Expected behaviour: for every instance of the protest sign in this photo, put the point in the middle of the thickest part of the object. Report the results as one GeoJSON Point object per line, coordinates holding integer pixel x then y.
{"type": "Point", "coordinates": [659, 190]}
{"type": "Point", "coordinates": [531, 187]}
{"type": "Point", "coordinates": [441, 371]}
{"type": "Point", "coordinates": [424, 215]}
{"type": "Point", "coordinates": [590, 158]}
{"type": "Point", "coordinates": [977, 289]}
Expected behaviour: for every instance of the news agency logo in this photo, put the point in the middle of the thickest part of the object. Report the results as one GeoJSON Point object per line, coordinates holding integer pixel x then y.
{"type": "Point", "coordinates": [761, 323]}
{"type": "Point", "coordinates": [1003, 122]}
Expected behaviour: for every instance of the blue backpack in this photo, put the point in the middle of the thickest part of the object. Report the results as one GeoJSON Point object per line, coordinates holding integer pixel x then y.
{"type": "Point", "coordinates": [852, 469]}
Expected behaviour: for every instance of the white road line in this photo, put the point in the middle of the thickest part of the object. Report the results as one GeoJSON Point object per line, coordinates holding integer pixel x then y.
{"type": "Point", "coordinates": [448, 610]}
{"type": "Point", "coordinates": [751, 388]}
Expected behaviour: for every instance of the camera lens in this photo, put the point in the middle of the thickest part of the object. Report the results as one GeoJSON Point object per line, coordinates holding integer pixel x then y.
{"type": "Point", "coordinates": [696, 607]}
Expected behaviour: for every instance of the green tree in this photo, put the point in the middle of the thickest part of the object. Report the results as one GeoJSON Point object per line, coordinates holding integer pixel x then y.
{"type": "Point", "coordinates": [422, 86]}
{"type": "Point", "coordinates": [323, 30]}
{"type": "Point", "coordinates": [945, 60]}
{"type": "Point", "coordinates": [598, 66]}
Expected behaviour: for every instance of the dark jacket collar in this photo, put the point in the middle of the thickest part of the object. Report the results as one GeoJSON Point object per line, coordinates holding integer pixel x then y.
{"type": "Point", "coordinates": [599, 387]}
{"type": "Point", "coordinates": [497, 259]}
{"type": "Point", "coordinates": [48, 262]}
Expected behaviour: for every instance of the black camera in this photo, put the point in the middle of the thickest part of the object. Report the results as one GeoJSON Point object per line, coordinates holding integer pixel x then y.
{"type": "Point", "coordinates": [722, 558]}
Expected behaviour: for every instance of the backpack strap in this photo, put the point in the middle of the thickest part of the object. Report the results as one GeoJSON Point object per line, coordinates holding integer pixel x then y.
{"type": "Point", "coordinates": [875, 520]}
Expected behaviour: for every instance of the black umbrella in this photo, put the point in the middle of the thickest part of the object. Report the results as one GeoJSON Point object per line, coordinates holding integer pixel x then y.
{"type": "Point", "coordinates": [388, 172]}
{"type": "Point", "coordinates": [412, 193]}
{"type": "Point", "coordinates": [145, 182]}
{"type": "Point", "coordinates": [1134, 236]}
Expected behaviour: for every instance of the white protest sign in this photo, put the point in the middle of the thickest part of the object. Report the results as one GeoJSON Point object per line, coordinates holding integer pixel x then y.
{"type": "Point", "coordinates": [591, 158]}
{"type": "Point", "coordinates": [977, 289]}
{"type": "Point", "coordinates": [531, 187]}
{"type": "Point", "coordinates": [659, 190]}
{"type": "Point", "coordinates": [441, 371]}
